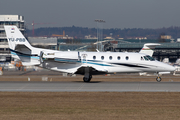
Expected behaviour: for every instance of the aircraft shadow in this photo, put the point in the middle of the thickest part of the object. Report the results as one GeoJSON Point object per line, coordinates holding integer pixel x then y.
{"type": "Point", "coordinates": [87, 82]}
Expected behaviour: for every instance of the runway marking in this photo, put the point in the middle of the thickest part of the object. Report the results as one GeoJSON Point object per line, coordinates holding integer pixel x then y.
{"type": "Point", "coordinates": [23, 87]}
{"type": "Point", "coordinates": [81, 86]}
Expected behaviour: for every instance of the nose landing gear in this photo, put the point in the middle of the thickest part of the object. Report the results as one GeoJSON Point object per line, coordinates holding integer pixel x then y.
{"type": "Point", "coordinates": [158, 79]}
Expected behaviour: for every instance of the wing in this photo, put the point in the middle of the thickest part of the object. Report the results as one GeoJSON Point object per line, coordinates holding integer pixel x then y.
{"type": "Point", "coordinates": [61, 57]}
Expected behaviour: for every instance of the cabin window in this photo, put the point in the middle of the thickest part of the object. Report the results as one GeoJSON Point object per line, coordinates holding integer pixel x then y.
{"type": "Point", "coordinates": [94, 57]}
{"type": "Point", "coordinates": [118, 57]}
{"type": "Point", "coordinates": [102, 57]}
{"type": "Point", "coordinates": [127, 58]}
{"type": "Point", "coordinates": [110, 57]}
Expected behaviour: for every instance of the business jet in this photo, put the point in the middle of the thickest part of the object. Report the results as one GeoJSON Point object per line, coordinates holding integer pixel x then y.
{"type": "Point", "coordinates": [84, 63]}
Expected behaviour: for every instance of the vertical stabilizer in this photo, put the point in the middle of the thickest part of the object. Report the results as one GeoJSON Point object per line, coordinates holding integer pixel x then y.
{"type": "Point", "coordinates": [15, 37]}
{"type": "Point", "coordinates": [20, 47]}
{"type": "Point", "coordinates": [148, 48]}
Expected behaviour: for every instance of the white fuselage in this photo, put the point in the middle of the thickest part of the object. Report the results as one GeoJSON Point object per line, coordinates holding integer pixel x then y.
{"type": "Point", "coordinates": [106, 62]}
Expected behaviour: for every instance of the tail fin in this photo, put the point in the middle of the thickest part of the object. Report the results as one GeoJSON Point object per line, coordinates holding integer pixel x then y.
{"type": "Point", "coordinates": [148, 48]}
{"type": "Point", "coordinates": [20, 47]}
{"type": "Point", "coordinates": [15, 38]}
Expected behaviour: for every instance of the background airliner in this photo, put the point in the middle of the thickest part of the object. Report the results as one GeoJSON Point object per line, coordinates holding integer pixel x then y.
{"type": "Point", "coordinates": [84, 63]}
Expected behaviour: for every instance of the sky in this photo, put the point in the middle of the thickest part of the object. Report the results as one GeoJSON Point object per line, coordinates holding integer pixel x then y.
{"type": "Point", "coordinates": [82, 13]}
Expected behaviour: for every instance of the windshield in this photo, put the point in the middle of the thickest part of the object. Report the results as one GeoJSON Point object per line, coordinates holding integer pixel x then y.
{"type": "Point", "coordinates": [147, 57]}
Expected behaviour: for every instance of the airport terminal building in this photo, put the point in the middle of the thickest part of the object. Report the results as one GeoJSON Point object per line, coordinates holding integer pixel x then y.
{"type": "Point", "coordinates": [17, 20]}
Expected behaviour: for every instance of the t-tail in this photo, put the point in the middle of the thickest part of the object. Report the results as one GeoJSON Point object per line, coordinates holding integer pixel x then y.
{"type": "Point", "coordinates": [20, 48]}
{"type": "Point", "coordinates": [148, 48]}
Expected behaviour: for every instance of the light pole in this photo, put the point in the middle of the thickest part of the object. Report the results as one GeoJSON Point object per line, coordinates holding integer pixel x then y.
{"type": "Point", "coordinates": [99, 33]}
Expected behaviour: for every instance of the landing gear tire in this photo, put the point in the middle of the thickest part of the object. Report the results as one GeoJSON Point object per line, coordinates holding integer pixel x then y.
{"type": "Point", "coordinates": [87, 79]}
{"type": "Point", "coordinates": [90, 77]}
{"type": "Point", "coordinates": [158, 79]}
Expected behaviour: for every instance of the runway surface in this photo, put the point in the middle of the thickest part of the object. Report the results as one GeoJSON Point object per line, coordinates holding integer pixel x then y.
{"type": "Point", "coordinates": [90, 87]}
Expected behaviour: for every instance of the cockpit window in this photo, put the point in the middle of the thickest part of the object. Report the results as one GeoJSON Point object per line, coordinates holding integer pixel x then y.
{"type": "Point", "coordinates": [150, 58]}
{"type": "Point", "coordinates": [147, 57]}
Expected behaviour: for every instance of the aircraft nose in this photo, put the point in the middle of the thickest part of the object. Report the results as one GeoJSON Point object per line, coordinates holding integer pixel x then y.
{"type": "Point", "coordinates": [171, 68]}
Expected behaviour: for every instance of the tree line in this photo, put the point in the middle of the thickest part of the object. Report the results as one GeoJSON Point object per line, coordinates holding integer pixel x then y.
{"type": "Point", "coordinates": [81, 32]}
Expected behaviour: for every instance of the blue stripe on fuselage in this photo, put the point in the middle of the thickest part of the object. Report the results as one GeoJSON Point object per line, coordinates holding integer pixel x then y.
{"type": "Point", "coordinates": [18, 54]}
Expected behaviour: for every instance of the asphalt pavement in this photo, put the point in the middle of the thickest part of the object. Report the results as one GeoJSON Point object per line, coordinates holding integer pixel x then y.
{"type": "Point", "coordinates": [89, 87]}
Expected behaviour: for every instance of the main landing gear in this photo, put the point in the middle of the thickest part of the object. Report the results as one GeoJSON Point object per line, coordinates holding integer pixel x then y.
{"type": "Point", "coordinates": [158, 79]}
{"type": "Point", "coordinates": [87, 79]}
{"type": "Point", "coordinates": [87, 76]}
